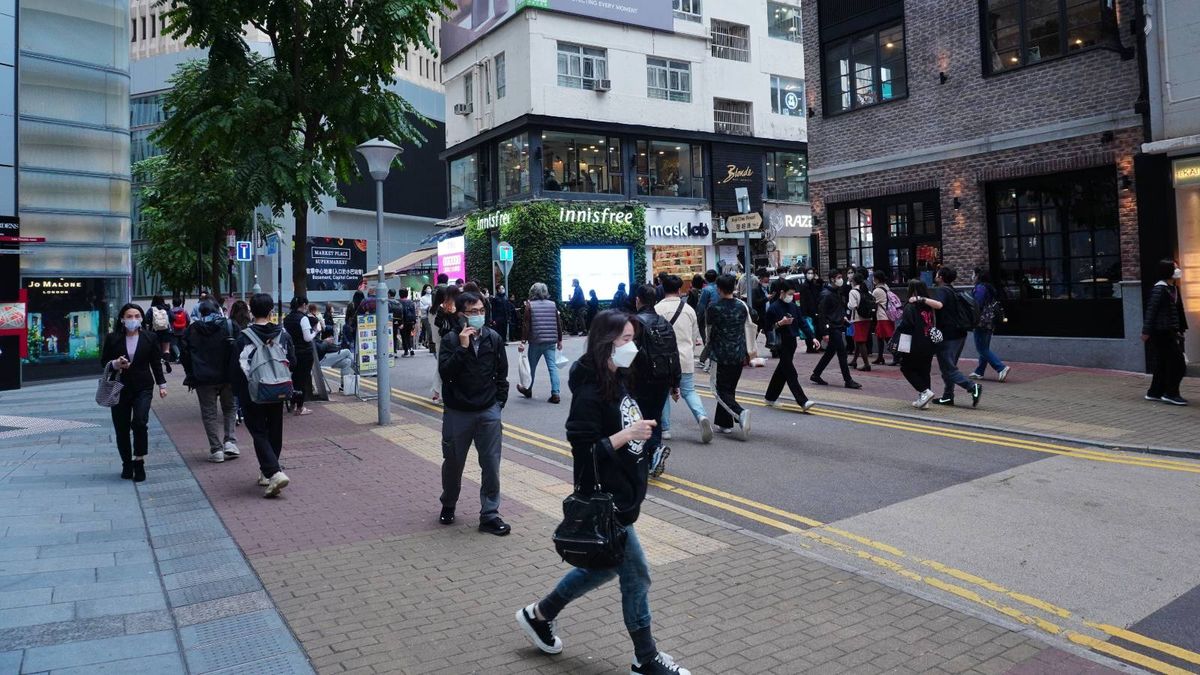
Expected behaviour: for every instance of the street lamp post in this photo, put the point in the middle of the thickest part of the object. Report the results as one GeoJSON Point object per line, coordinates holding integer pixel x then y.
{"type": "Point", "coordinates": [379, 153]}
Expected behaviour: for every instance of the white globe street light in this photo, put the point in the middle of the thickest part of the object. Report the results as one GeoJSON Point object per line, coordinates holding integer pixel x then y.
{"type": "Point", "coordinates": [379, 153]}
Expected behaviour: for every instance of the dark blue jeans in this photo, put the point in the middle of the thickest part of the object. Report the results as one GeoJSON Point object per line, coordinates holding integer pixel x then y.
{"type": "Point", "coordinates": [983, 346]}
{"type": "Point", "coordinates": [947, 358]}
{"type": "Point", "coordinates": [634, 573]}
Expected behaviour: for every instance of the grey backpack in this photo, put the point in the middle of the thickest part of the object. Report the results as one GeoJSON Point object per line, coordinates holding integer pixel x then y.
{"type": "Point", "coordinates": [268, 376]}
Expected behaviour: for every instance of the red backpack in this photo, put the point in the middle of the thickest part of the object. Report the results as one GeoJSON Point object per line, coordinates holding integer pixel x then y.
{"type": "Point", "coordinates": [179, 319]}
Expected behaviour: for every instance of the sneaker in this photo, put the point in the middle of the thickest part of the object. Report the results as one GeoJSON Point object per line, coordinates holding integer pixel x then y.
{"type": "Point", "coordinates": [231, 450]}
{"type": "Point", "coordinates": [851, 384]}
{"type": "Point", "coordinates": [495, 526]}
{"type": "Point", "coordinates": [706, 430]}
{"type": "Point", "coordinates": [942, 400]}
{"type": "Point", "coordinates": [777, 404]}
{"type": "Point", "coordinates": [976, 392]}
{"type": "Point", "coordinates": [807, 405]}
{"type": "Point", "coordinates": [743, 425]}
{"type": "Point", "coordinates": [527, 393]}
{"type": "Point", "coordinates": [660, 461]}
{"type": "Point", "coordinates": [666, 434]}
{"type": "Point", "coordinates": [816, 379]}
{"type": "Point", "coordinates": [662, 664]}
{"type": "Point", "coordinates": [1148, 397]}
{"type": "Point", "coordinates": [275, 484]}
{"type": "Point", "coordinates": [923, 400]}
{"type": "Point", "coordinates": [724, 430]}
{"type": "Point", "coordinates": [216, 456]}
{"type": "Point", "coordinates": [975, 376]}
{"type": "Point", "coordinates": [1174, 400]}
{"type": "Point", "coordinates": [446, 517]}
{"type": "Point", "coordinates": [1003, 374]}
{"type": "Point", "coordinates": [554, 398]}
{"type": "Point", "coordinates": [540, 633]}
{"type": "Point", "coordinates": [262, 481]}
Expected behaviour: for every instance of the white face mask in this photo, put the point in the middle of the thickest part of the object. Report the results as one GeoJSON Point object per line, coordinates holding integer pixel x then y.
{"type": "Point", "coordinates": [839, 283]}
{"type": "Point", "coordinates": [788, 297]}
{"type": "Point", "coordinates": [624, 355]}
{"type": "Point", "coordinates": [1178, 274]}
{"type": "Point", "coordinates": [132, 324]}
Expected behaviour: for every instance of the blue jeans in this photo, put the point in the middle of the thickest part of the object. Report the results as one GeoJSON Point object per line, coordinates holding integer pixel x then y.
{"type": "Point", "coordinates": [983, 346]}
{"type": "Point", "coordinates": [947, 358]}
{"type": "Point", "coordinates": [687, 392]}
{"type": "Point", "coordinates": [536, 352]}
{"type": "Point", "coordinates": [634, 573]}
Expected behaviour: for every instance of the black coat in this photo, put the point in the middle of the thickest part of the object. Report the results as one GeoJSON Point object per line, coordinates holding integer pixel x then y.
{"type": "Point", "coordinates": [778, 309]}
{"type": "Point", "coordinates": [1164, 313]}
{"type": "Point", "coordinates": [831, 311]}
{"type": "Point", "coordinates": [207, 348]}
{"type": "Point", "coordinates": [145, 369]}
{"type": "Point", "coordinates": [473, 381]}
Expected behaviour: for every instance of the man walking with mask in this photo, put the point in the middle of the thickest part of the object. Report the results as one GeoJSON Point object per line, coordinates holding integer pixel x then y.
{"type": "Point", "coordinates": [831, 321]}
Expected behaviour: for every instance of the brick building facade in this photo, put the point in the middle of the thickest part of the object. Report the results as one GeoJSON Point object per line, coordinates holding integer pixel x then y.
{"type": "Point", "coordinates": [972, 133]}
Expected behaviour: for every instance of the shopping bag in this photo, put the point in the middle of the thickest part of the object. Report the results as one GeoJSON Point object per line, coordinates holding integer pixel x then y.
{"type": "Point", "coordinates": [524, 374]}
{"type": "Point", "coordinates": [560, 359]}
{"type": "Point", "coordinates": [904, 343]}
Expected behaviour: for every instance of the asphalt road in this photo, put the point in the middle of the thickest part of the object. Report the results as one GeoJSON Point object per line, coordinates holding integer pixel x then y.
{"type": "Point", "coordinates": [1095, 547]}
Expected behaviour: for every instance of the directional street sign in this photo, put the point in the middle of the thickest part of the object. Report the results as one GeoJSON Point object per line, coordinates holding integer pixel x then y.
{"type": "Point", "coordinates": [504, 255]}
{"type": "Point", "coordinates": [245, 251]}
{"type": "Point", "coordinates": [747, 222]}
{"type": "Point", "coordinates": [272, 244]}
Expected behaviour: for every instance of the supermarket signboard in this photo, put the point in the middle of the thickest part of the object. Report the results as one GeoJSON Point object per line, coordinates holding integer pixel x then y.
{"type": "Point", "coordinates": [678, 227]}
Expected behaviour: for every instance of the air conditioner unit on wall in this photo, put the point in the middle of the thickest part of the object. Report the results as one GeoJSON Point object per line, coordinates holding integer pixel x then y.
{"type": "Point", "coordinates": [463, 108]}
{"type": "Point", "coordinates": [603, 85]}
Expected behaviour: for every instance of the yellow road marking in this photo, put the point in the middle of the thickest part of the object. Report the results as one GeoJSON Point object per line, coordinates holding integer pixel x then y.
{"type": "Point", "coordinates": [1124, 654]}
{"type": "Point", "coordinates": [1144, 641]}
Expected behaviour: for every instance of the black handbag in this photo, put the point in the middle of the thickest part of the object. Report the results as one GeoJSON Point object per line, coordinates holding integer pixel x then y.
{"type": "Point", "coordinates": [590, 535]}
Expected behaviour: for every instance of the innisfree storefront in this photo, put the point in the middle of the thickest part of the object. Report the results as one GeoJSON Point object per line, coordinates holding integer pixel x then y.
{"type": "Point", "coordinates": [602, 244]}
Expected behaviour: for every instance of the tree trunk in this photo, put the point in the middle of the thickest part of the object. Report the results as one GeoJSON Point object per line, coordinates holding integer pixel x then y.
{"type": "Point", "coordinates": [299, 262]}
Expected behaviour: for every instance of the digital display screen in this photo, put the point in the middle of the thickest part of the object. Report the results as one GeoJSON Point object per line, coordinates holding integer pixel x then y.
{"type": "Point", "coordinates": [597, 269]}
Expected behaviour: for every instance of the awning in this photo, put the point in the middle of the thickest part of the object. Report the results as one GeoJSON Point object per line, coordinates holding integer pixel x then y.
{"type": "Point", "coordinates": [423, 258]}
{"type": "Point", "coordinates": [442, 235]}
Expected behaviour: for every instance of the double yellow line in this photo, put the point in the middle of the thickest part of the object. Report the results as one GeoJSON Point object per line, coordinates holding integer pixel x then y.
{"type": "Point", "coordinates": [890, 557]}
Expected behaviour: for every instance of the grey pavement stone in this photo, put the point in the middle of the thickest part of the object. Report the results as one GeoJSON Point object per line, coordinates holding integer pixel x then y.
{"type": "Point", "coordinates": [40, 539]}
{"type": "Point", "coordinates": [291, 663]}
{"type": "Point", "coordinates": [10, 662]}
{"type": "Point", "coordinates": [135, 572]}
{"type": "Point", "coordinates": [89, 548]}
{"type": "Point", "coordinates": [26, 598]}
{"type": "Point", "coordinates": [159, 664]}
{"type": "Point", "coordinates": [32, 616]}
{"type": "Point", "coordinates": [195, 548]}
{"type": "Point", "coordinates": [242, 650]}
{"type": "Point", "coordinates": [18, 582]}
{"type": "Point", "coordinates": [111, 589]}
{"type": "Point", "coordinates": [213, 590]}
{"type": "Point", "coordinates": [18, 553]}
{"type": "Point", "coordinates": [122, 534]}
{"type": "Point", "coordinates": [206, 575]}
{"type": "Point", "coordinates": [90, 652]}
{"type": "Point", "coordinates": [262, 621]}
{"type": "Point", "coordinates": [218, 558]}
{"type": "Point", "coordinates": [190, 537]}
{"type": "Point", "coordinates": [127, 604]}
{"type": "Point", "coordinates": [57, 633]}
{"type": "Point", "coordinates": [148, 622]}
{"type": "Point", "coordinates": [57, 564]}
{"type": "Point", "coordinates": [222, 607]}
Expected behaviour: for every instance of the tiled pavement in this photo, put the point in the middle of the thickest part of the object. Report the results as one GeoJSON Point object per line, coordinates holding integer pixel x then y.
{"type": "Point", "coordinates": [357, 565]}
{"type": "Point", "coordinates": [98, 575]}
{"type": "Point", "coordinates": [1103, 407]}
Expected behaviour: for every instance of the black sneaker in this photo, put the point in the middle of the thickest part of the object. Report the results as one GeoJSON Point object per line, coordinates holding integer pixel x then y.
{"type": "Point", "coordinates": [662, 664]}
{"type": "Point", "coordinates": [495, 526]}
{"type": "Point", "coordinates": [661, 465]}
{"type": "Point", "coordinates": [1174, 400]}
{"type": "Point", "coordinates": [976, 392]}
{"type": "Point", "coordinates": [944, 401]}
{"type": "Point", "coordinates": [447, 516]}
{"type": "Point", "coordinates": [851, 384]}
{"type": "Point", "coordinates": [816, 379]}
{"type": "Point", "coordinates": [540, 633]}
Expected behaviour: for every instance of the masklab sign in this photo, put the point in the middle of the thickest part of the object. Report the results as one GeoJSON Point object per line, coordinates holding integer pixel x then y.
{"type": "Point", "coordinates": [678, 227]}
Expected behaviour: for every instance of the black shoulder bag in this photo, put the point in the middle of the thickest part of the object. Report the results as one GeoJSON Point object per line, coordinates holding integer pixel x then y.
{"type": "Point", "coordinates": [590, 535]}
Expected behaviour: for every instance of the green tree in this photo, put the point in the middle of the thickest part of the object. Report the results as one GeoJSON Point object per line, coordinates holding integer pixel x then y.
{"type": "Point", "coordinates": [292, 118]}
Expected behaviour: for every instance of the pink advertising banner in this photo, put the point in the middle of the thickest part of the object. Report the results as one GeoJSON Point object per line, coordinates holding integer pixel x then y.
{"type": "Point", "coordinates": [452, 258]}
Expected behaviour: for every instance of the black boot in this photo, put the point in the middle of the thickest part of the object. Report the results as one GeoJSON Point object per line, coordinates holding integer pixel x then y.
{"type": "Point", "coordinates": [139, 471]}
{"type": "Point", "coordinates": [126, 470]}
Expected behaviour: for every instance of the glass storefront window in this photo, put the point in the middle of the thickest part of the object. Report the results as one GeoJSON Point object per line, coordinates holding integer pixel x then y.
{"type": "Point", "coordinates": [580, 163]}
{"type": "Point", "coordinates": [67, 319]}
{"type": "Point", "coordinates": [787, 96]}
{"type": "Point", "coordinates": [464, 183]}
{"type": "Point", "coordinates": [670, 169]}
{"type": "Point", "coordinates": [514, 166]}
{"type": "Point", "coordinates": [787, 176]}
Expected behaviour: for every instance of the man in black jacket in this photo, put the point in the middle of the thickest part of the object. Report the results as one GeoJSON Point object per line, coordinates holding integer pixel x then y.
{"type": "Point", "coordinates": [831, 323]}
{"type": "Point", "coordinates": [657, 369]}
{"type": "Point", "coordinates": [207, 353]}
{"type": "Point", "coordinates": [474, 370]}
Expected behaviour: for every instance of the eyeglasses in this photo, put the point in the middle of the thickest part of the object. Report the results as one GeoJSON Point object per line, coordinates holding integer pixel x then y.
{"type": "Point", "coordinates": [476, 312]}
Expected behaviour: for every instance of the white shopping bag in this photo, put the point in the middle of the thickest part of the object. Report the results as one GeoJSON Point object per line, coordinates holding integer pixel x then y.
{"type": "Point", "coordinates": [560, 359]}
{"type": "Point", "coordinates": [524, 374]}
{"type": "Point", "coordinates": [904, 343]}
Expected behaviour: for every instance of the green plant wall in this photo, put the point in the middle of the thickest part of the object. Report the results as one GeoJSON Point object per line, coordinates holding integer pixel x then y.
{"type": "Point", "coordinates": [536, 234]}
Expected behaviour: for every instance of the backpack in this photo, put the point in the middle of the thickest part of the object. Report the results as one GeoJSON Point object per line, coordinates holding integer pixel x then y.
{"type": "Point", "coordinates": [158, 318]}
{"type": "Point", "coordinates": [866, 305]}
{"type": "Point", "coordinates": [268, 376]}
{"type": "Point", "coordinates": [965, 314]}
{"type": "Point", "coordinates": [179, 319]}
{"type": "Point", "coordinates": [894, 308]}
{"type": "Point", "coordinates": [410, 312]}
{"type": "Point", "coordinates": [661, 352]}
{"type": "Point", "coordinates": [992, 313]}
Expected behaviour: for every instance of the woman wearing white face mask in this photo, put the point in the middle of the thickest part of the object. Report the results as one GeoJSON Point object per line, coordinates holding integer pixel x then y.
{"type": "Point", "coordinates": [606, 421]}
{"type": "Point", "coordinates": [1163, 330]}
{"type": "Point", "coordinates": [135, 354]}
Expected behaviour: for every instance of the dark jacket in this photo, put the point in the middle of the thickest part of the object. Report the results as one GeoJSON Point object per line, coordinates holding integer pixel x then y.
{"type": "Point", "coordinates": [577, 301]}
{"type": "Point", "coordinates": [301, 347]}
{"type": "Point", "coordinates": [945, 322]}
{"type": "Point", "coordinates": [1164, 311]}
{"type": "Point", "coordinates": [624, 471]}
{"type": "Point", "coordinates": [758, 302]}
{"type": "Point", "coordinates": [348, 336]}
{"type": "Point", "coordinates": [831, 311]}
{"type": "Point", "coordinates": [473, 381]}
{"type": "Point", "coordinates": [917, 321]}
{"type": "Point", "coordinates": [145, 368]}
{"type": "Point", "coordinates": [266, 333]}
{"type": "Point", "coordinates": [652, 322]}
{"type": "Point", "coordinates": [725, 321]}
{"type": "Point", "coordinates": [778, 309]}
{"type": "Point", "coordinates": [620, 300]}
{"type": "Point", "coordinates": [207, 348]}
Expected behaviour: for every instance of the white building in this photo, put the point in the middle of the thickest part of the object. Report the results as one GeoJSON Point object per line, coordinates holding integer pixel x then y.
{"type": "Point", "coordinates": [674, 107]}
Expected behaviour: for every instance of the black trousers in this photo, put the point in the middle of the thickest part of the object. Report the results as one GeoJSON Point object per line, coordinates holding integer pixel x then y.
{"type": "Point", "coordinates": [728, 376]}
{"type": "Point", "coordinates": [916, 369]}
{"type": "Point", "coordinates": [1169, 368]}
{"type": "Point", "coordinates": [132, 414]}
{"type": "Point", "coordinates": [265, 424]}
{"type": "Point", "coordinates": [652, 403]}
{"type": "Point", "coordinates": [837, 346]}
{"type": "Point", "coordinates": [406, 338]}
{"type": "Point", "coordinates": [785, 373]}
{"type": "Point", "coordinates": [302, 373]}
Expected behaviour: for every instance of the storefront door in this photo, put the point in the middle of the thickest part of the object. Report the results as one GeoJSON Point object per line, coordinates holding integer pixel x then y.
{"type": "Point", "coordinates": [900, 234]}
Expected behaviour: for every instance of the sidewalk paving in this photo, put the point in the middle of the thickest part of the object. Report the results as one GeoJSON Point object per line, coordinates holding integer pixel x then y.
{"type": "Point", "coordinates": [1104, 407]}
{"type": "Point", "coordinates": [357, 565]}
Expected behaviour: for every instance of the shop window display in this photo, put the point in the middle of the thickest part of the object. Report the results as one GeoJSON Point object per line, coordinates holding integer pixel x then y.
{"type": "Point", "coordinates": [514, 166]}
{"type": "Point", "coordinates": [66, 320]}
{"type": "Point", "coordinates": [670, 169]}
{"type": "Point", "coordinates": [684, 261]}
{"type": "Point", "coordinates": [580, 163]}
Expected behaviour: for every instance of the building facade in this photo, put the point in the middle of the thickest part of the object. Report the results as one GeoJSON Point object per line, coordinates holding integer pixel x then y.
{"type": "Point", "coordinates": [993, 134]}
{"type": "Point", "coordinates": [671, 105]}
{"type": "Point", "coordinates": [73, 178]}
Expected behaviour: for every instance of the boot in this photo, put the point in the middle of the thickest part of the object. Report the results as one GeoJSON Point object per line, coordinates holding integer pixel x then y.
{"type": "Point", "coordinates": [139, 471]}
{"type": "Point", "coordinates": [126, 470]}
{"type": "Point", "coordinates": [866, 357]}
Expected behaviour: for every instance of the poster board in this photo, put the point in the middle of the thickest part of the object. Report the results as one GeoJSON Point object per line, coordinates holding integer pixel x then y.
{"type": "Point", "coordinates": [365, 361]}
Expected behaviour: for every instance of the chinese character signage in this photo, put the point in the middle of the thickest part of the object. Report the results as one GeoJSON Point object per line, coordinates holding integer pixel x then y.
{"type": "Point", "coordinates": [334, 264]}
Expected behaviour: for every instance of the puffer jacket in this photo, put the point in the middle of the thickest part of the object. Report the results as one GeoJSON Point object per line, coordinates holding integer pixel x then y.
{"type": "Point", "coordinates": [1164, 311]}
{"type": "Point", "coordinates": [207, 349]}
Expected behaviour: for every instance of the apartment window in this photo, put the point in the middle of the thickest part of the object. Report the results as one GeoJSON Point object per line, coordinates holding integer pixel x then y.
{"type": "Point", "coordinates": [864, 70]}
{"type": "Point", "coordinates": [501, 77]}
{"type": "Point", "coordinates": [143, 28]}
{"type": "Point", "coordinates": [787, 96]}
{"type": "Point", "coordinates": [573, 162]}
{"type": "Point", "coordinates": [787, 176]}
{"type": "Point", "coordinates": [670, 169]}
{"type": "Point", "coordinates": [513, 156]}
{"type": "Point", "coordinates": [669, 80]}
{"type": "Point", "coordinates": [688, 10]}
{"type": "Point", "coordinates": [162, 22]}
{"type": "Point", "coordinates": [1023, 32]}
{"type": "Point", "coordinates": [853, 239]}
{"type": "Point", "coordinates": [153, 27]}
{"type": "Point", "coordinates": [730, 41]}
{"type": "Point", "coordinates": [581, 67]}
{"type": "Point", "coordinates": [133, 30]}
{"type": "Point", "coordinates": [733, 117]}
{"type": "Point", "coordinates": [469, 90]}
{"type": "Point", "coordinates": [464, 183]}
{"type": "Point", "coordinates": [783, 22]}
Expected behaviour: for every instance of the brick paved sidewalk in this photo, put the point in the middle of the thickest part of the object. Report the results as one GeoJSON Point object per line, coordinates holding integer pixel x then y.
{"type": "Point", "coordinates": [354, 558]}
{"type": "Point", "coordinates": [1099, 406]}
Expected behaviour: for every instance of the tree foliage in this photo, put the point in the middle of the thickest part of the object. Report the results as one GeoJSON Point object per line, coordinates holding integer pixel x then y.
{"type": "Point", "coordinates": [293, 117]}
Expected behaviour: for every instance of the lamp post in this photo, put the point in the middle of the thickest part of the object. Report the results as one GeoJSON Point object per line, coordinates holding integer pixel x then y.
{"type": "Point", "coordinates": [379, 153]}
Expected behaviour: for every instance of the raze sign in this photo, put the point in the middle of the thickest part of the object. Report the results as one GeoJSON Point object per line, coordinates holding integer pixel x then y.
{"type": "Point", "coordinates": [473, 19]}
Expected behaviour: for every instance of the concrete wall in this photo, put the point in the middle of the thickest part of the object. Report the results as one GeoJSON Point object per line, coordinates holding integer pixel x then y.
{"type": "Point", "coordinates": [1174, 43]}
{"type": "Point", "coordinates": [8, 111]}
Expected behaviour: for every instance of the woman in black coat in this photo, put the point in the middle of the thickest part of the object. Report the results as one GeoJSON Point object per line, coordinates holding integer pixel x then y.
{"type": "Point", "coordinates": [135, 354]}
{"type": "Point", "coordinates": [1163, 330]}
{"type": "Point", "coordinates": [918, 323]}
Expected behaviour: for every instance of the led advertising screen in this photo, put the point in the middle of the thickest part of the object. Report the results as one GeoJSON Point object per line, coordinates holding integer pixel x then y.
{"type": "Point", "coordinates": [598, 269]}
{"type": "Point", "coordinates": [452, 258]}
{"type": "Point", "coordinates": [335, 264]}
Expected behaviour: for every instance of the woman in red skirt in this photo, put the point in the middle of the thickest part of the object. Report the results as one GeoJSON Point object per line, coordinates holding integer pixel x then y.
{"type": "Point", "coordinates": [886, 304]}
{"type": "Point", "coordinates": [861, 305]}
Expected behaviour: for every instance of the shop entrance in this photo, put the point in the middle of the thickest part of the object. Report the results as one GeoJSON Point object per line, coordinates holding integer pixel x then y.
{"type": "Point", "coordinates": [901, 234]}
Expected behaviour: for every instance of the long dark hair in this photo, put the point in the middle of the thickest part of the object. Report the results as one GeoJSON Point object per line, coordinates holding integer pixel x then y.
{"type": "Point", "coordinates": [606, 328]}
{"type": "Point", "coordinates": [119, 324]}
{"type": "Point", "coordinates": [240, 314]}
{"type": "Point", "coordinates": [158, 302]}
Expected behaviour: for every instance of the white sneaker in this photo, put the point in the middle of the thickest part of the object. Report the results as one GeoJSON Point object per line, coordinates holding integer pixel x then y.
{"type": "Point", "coordinates": [1003, 374]}
{"type": "Point", "coordinates": [666, 435]}
{"type": "Point", "coordinates": [777, 404]}
{"type": "Point", "coordinates": [276, 484]}
{"type": "Point", "coordinates": [807, 405]}
{"type": "Point", "coordinates": [706, 430]}
{"type": "Point", "coordinates": [724, 430]}
{"type": "Point", "coordinates": [662, 664]}
{"type": "Point", "coordinates": [974, 375]}
{"type": "Point", "coordinates": [262, 481]}
{"type": "Point", "coordinates": [924, 399]}
{"type": "Point", "coordinates": [743, 425]}
{"type": "Point", "coordinates": [216, 457]}
{"type": "Point", "coordinates": [231, 450]}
